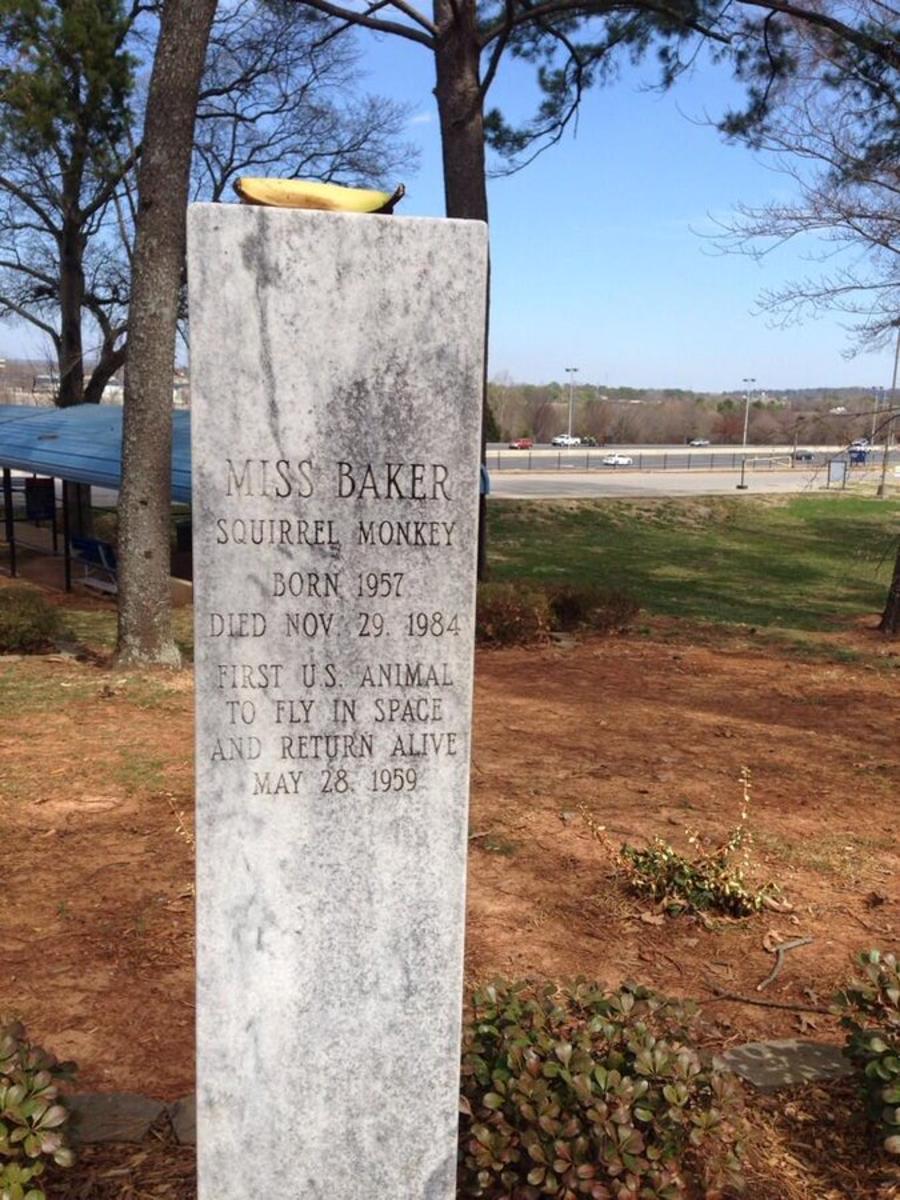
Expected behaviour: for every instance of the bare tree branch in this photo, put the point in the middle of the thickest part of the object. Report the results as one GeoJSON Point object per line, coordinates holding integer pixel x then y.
{"type": "Point", "coordinates": [886, 50]}
{"type": "Point", "coordinates": [500, 37]}
{"type": "Point", "coordinates": [14, 189]}
{"type": "Point", "coordinates": [351, 17]}
{"type": "Point", "coordinates": [8, 305]}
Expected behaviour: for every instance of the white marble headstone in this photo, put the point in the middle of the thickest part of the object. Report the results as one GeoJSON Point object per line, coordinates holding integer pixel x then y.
{"type": "Point", "coordinates": [336, 369]}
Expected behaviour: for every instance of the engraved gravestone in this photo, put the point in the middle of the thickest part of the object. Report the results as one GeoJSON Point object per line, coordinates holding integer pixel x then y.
{"type": "Point", "coordinates": [336, 365]}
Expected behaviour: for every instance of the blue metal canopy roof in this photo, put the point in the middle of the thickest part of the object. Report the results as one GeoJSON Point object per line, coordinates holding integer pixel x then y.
{"type": "Point", "coordinates": [83, 444]}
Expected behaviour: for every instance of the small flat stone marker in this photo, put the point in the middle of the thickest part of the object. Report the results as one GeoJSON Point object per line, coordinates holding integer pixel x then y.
{"type": "Point", "coordinates": [336, 365]}
{"type": "Point", "coordinates": [111, 1116]}
{"type": "Point", "coordinates": [769, 1066]}
{"type": "Point", "coordinates": [183, 1115]}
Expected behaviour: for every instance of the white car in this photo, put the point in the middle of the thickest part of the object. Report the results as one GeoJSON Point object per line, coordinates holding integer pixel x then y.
{"type": "Point", "coordinates": [618, 460]}
{"type": "Point", "coordinates": [699, 442]}
{"type": "Point", "coordinates": [563, 439]}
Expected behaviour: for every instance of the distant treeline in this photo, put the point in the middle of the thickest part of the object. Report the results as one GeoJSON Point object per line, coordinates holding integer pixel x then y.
{"type": "Point", "coordinates": [624, 414]}
{"type": "Point", "coordinates": [627, 414]}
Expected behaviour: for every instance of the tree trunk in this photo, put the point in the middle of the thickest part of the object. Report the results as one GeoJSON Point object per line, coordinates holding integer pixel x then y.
{"type": "Point", "coordinates": [111, 359]}
{"type": "Point", "coordinates": [461, 112]}
{"type": "Point", "coordinates": [71, 300]}
{"type": "Point", "coordinates": [70, 348]}
{"type": "Point", "coordinates": [890, 618]}
{"type": "Point", "coordinates": [145, 611]}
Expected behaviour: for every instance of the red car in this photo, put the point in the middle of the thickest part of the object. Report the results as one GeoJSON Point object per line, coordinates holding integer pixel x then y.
{"type": "Point", "coordinates": [521, 444]}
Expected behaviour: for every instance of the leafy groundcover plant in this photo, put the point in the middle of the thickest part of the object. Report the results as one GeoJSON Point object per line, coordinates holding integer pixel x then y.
{"type": "Point", "coordinates": [31, 1114]}
{"type": "Point", "coordinates": [711, 881]}
{"type": "Point", "coordinates": [869, 1008]}
{"type": "Point", "coordinates": [579, 1092]}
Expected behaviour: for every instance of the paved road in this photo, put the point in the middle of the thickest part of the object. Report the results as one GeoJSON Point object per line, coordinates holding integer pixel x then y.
{"type": "Point", "coordinates": [623, 482]}
{"type": "Point", "coordinates": [551, 483]}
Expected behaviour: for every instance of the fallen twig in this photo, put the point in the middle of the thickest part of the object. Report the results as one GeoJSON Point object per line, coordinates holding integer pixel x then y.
{"type": "Point", "coordinates": [732, 996]}
{"type": "Point", "coordinates": [885, 933]}
{"type": "Point", "coordinates": [780, 952]}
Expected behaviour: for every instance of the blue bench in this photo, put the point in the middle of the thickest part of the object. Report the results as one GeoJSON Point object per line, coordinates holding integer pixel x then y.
{"type": "Point", "coordinates": [98, 560]}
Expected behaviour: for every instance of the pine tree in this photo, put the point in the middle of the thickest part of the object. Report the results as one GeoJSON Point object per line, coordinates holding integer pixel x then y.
{"type": "Point", "coordinates": [65, 85]}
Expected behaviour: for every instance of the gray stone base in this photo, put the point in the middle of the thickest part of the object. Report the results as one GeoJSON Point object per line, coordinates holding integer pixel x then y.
{"type": "Point", "coordinates": [769, 1066]}
{"type": "Point", "coordinates": [126, 1117]}
{"type": "Point", "coordinates": [111, 1116]}
{"type": "Point", "coordinates": [183, 1115]}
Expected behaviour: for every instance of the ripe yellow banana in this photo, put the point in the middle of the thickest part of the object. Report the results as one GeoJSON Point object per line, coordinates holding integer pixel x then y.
{"type": "Point", "coordinates": [303, 193]}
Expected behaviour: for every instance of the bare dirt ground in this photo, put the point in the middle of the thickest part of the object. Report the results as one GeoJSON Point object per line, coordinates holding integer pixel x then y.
{"type": "Point", "coordinates": [648, 739]}
{"type": "Point", "coordinates": [577, 748]}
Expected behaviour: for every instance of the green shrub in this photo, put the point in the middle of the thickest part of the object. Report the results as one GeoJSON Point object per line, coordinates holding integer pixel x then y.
{"type": "Point", "coordinates": [869, 1008]}
{"type": "Point", "coordinates": [511, 614]}
{"type": "Point", "coordinates": [28, 624]}
{"type": "Point", "coordinates": [31, 1114]}
{"type": "Point", "coordinates": [586, 606]}
{"type": "Point", "coordinates": [581, 1092]}
{"type": "Point", "coordinates": [711, 882]}
{"type": "Point", "coordinates": [708, 882]}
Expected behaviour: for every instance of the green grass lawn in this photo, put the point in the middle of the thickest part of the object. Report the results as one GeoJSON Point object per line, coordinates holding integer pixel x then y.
{"type": "Point", "coordinates": [98, 628]}
{"type": "Point", "coordinates": [792, 566]}
{"type": "Point", "coordinates": [806, 563]}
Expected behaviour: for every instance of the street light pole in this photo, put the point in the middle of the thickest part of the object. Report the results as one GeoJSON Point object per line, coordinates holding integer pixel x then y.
{"type": "Point", "coordinates": [876, 404]}
{"type": "Point", "coordinates": [570, 371]}
{"type": "Point", "coordinates": [746, 407]}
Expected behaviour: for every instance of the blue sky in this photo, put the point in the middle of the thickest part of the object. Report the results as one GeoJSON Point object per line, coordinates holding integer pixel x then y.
{"type": "Point", "coordinates": [597, 255]}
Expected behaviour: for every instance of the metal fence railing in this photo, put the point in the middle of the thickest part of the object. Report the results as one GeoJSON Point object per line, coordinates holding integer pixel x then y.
{"type": "Point", "coordinates": [671, 460]}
